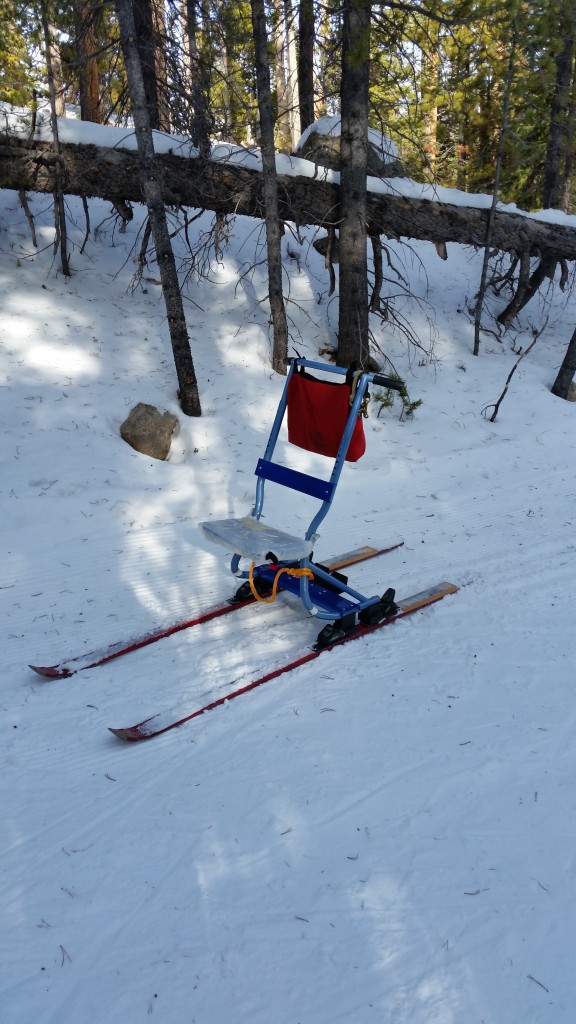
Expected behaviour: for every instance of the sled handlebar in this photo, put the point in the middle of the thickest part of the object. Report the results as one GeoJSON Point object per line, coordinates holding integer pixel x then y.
{"type": "Point", "coordinates": [393, 383]}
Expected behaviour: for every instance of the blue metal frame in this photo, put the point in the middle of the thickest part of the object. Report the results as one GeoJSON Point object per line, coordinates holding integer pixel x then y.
{"type": "Point", "coordinates": [325, 603]}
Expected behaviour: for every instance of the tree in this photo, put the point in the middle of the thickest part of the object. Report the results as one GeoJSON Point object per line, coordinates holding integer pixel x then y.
{"type": "Point", "coordinates": [353, 340]}
{"type": "Point", "coordinates": [92, 59]}
{"type": "Point", "coordinates": [53, 58]}
{"type": "Point", "coordinates": [283, 86]}
{"type": "Point", "coordinates": [56, 92]}
{"type": "Point", "coordinates": [236, 188]}
{"type": "Point", "coordinates": [197, 58]}
{"type": "Point", "coordinates": [306, 63]}
{"type": "Point", "coordinates": [87, 63]}
{"type": "Point", "coordinates": [292, 86]}
{"type": "Point", "coordinates": [561, 127]}
{"type": "Point", "coordinates": [148, 16]}
{"type": "Point", "coordinates": [232, 93]}
{"type": "Point", "coordinates": [270, 189]}
{"type": "Point", "coordinates": [561, 386]}
{"type": "Point", "coordinates": [495, 192]}
{"type": "Point", "coordinates": [151, 185]}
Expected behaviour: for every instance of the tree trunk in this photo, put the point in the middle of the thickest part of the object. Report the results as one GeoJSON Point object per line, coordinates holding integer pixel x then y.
{"type": "Point", "coordinates": [151, 185]}
{"type": "Point", "coordinates": [198, 76]}
{"type": "Point", "coordinates": [88, 77]}
{"type": "Point", "coordinates": [270, 189]}
{"type": "Point", "coordinates": [431, 63]}
{"type": "Point", "coordinates": [325, 58]}
{"type": "Point", "coordinates": [286, 76]}
{"type": "Point", "coordinates": [53, 58]}
{"type": "Point", "coordinates": [567, 203]}
{"type": "Point", "coordinates": [54, 86]}
{"type": "Point", "coordinates": [496, 189]}
{"type": "Point", "coordinates": [292, 91]}
{"type": "Point", "coordinates": [225, 120]}
{"type": "Point", "coordinates": [306, 63]}
{"type": "Point", "coordinates": [280, 78]}
{"type": "Point", "coordinates": [429, 88]}
{"type": "Point", "coordinates": [353, 340]}
{"type": "Point", "coordinates": [149, 43]}
{"type": "Point", "coordinates": [553, 189]}
{"type": "Point", "coordinates": [566, 372]}
{"type": "Point", "coordinates": [160, 63]}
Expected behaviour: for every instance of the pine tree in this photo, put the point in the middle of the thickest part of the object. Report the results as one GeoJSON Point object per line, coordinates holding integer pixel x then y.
{"type": "Point", "coordinates": [16, 77]}
{"type": "Point", "coordinates": [85, 15]}
{"type": "Point", "coordinates": [353, 342]}
{"type": "Point", "coordinates": [233, 100]}
{"type": "Point", "coordinates": [558, 161]}
{"type": "Point", "coordinates": [270, 189]}
{"type": "Point", "coordinates": [152, 194]}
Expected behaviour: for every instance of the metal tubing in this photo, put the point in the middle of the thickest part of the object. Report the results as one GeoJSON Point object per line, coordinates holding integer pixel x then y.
{"type": "Point", "coordinates": [361, 386]}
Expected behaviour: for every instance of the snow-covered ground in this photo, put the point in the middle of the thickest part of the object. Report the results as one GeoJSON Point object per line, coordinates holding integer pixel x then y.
{"type": "Point", "coordinates": [386, 835]}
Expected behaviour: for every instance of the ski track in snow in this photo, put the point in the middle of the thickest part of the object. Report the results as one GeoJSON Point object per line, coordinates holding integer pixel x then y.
{"type": "Point", "coordinates": [388, 833]}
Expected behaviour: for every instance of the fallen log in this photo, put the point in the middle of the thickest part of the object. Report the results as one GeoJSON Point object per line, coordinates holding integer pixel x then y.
{"type": "Point", "coordinates": [397, 207]}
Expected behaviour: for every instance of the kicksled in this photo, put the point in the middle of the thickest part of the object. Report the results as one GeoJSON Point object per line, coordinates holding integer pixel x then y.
{"type": "Point", "coordinates": [324, 416]}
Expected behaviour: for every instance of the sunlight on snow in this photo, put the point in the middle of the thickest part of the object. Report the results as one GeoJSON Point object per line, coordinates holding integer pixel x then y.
{"type": "Point", "coordinates": [64, 358]}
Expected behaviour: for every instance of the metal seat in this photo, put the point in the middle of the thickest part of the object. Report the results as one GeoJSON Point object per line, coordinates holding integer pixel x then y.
{"type": "Point", "coordinates": [255, 540]}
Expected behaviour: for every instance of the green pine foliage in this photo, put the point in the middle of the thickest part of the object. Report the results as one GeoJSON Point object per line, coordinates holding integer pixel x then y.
{"type": "Point", "coordinates": [390, 398]}
{"type": "Point", "coordinates": [437, 89]}
{"type": "Point", "coordinates": [233, 93]}
{"type": "Point", "coordinates": [16, 66]}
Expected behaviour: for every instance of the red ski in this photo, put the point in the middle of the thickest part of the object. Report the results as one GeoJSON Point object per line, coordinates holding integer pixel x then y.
{"type": "Point", "coordinates": [92, 659]}
{"type": "Point", "coordinates": [162, 722]}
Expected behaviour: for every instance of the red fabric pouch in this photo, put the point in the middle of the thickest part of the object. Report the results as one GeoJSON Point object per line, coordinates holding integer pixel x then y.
{"type": "Point", "coordinates": [318, 411]}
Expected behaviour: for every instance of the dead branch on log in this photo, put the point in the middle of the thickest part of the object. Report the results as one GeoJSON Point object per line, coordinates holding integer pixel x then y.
{"type": "Point", "coordinates": [125, 212]}
{"type": "Point", "coordinates": [329, 260]}
{"type": "Point", "coordinates": [25, 206]}
{"type": "Point", "coordinates": [562, 384]}
{"type": "Point", "coordinates": [144, 246]}
{"type": "Point", "coordinates": [527, 288]}
{"type": "Point", "coordinates": [502, 275]}
{"type": "Point", "coordinates": [86, 209]}
{"type": "Point", "coordinates": [376, 297]}
{"type": "Point", "coordinates": [496, 406]}
{"type": "Point", "coordinates": [210, 244]}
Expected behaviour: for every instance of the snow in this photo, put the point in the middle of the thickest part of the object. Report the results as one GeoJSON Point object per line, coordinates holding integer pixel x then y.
{"type": "Point", "coordinates": [330, 125]}
{"type": "Point", "coordinates": [387, 834]}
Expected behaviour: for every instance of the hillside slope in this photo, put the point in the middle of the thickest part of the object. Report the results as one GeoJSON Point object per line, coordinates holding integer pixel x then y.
{"type": "Point", "coordinates": [388, 834]}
